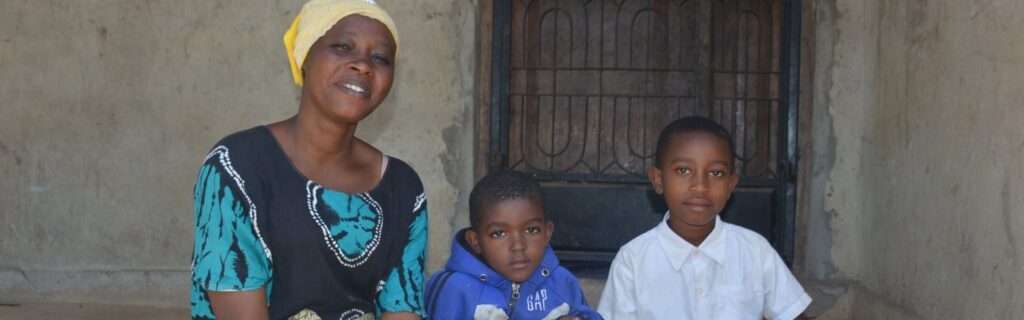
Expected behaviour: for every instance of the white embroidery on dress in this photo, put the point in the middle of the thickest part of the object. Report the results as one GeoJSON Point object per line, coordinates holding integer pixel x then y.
{"type": "Point", "coordinates": [311, 203]}
{"type": "Point", "coordinates": [352, 314]}
{"type": "Point", "coordinates": [420, 199]}
{"type": "Point", "coordinates": [225, 161]}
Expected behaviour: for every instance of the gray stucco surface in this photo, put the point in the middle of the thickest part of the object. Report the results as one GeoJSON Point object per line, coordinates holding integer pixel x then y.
{"type": "Point", "coordinates": [109, 106]}
{"type": "Point", "coordinates": [922, 199]}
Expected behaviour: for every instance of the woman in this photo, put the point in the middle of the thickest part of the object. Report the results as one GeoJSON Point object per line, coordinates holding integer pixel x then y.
{"type": "Point", "coordinates": [301, 219]}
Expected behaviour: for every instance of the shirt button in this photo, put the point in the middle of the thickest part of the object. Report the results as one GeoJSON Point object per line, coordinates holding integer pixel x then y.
{"type": "Point", "coordinates": [700, 292]}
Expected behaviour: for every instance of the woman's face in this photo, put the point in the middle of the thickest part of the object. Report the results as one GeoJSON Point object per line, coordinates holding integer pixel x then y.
{"type": "Point", "coordinates": [349, 70]}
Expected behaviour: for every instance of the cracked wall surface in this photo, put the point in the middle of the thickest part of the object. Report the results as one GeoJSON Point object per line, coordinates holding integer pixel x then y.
{"type": "Point", "coordinates": [921, 204]}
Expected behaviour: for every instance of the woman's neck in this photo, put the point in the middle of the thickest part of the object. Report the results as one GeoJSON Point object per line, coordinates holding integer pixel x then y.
{"type": "Point", "coordinates": [322, 140]}
{"type": "Point", "coordinates": [326, 151]}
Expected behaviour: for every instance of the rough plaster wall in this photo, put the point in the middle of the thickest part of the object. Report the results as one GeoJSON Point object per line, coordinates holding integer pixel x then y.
{"type": "Point", "coordinates": [942, 158]}
{"type": "Point", "coordinates": [108, 106]}
{"type": "Point", "coordinates": [845, 81]}
{"type": "Point", "coordinates": [923, 193]}
{"type": "Point", "coordinates": [431, 123]}
{"type": "Point", "coordinates": [818, 241]}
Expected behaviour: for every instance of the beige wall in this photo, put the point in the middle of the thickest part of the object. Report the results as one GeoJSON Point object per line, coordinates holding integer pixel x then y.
{"type": "Point", "coordinates": [108, 106]}
{"type": "Point", "coordinates": [920, 105]}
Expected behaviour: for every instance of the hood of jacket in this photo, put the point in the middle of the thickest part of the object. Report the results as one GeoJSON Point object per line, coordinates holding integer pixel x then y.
{"type": "Point", "coordinates": [466, 261]}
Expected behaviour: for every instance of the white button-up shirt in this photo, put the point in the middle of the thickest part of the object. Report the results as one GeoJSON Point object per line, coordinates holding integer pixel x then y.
{"type": "Point", "coordinates": [734, 274]}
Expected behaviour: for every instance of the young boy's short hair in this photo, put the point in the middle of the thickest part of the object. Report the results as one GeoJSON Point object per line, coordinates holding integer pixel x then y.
{"type": "Point", "coordinates": [500, 186]}
{"type": "Point", "coordinates": [688, 125]}
{"type": "Point", "coordinates": [504, 265]}
{"type": "Point", "coordinates": [734, 273]}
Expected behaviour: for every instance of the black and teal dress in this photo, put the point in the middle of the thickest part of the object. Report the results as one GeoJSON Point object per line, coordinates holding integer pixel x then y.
{"type": "Point", "coordinates": [261, 224]}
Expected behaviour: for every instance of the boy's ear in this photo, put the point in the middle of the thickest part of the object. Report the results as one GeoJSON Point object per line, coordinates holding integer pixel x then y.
{"type": "Point", "coordinates": [654, 174]}
{"type": "Point", "coordinates": [550, 229]}
{"type": "Point", "coordinates": [735, 181]}
{"type": "Point", "coordinates": [473, 239]}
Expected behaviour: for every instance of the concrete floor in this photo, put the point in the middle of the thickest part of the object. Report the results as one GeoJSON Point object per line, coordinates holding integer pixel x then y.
{"type": "Point", "coordinates": [88, 312]}
{"type": "Point", "coordinates": [825, 297]}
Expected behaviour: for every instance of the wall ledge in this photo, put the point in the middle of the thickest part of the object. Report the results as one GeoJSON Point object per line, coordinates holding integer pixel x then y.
{"type": "Point", "coordinates": [162, 288]}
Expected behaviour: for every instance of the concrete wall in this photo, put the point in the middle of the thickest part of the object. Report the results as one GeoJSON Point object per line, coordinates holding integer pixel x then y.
{"type": "Point", "coordinates": [917, 110]}
{"type": "Point", "coordinates": [845, 62]}
{"type": "Point", "coordinates": [107, 108]}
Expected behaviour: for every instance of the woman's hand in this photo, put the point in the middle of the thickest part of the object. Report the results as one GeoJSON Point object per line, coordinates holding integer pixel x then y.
{"type": "Point", "coordinates": [239, 304]}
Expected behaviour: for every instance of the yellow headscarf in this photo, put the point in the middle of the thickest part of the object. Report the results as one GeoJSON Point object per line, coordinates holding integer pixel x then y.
{"type": "Point", "coordinates": [317, 17]}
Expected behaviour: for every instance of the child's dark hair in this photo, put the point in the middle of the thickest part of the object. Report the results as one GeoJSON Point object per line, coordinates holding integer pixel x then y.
{"type": "Point", "coordinates": [500, 186]}
{"type": "Point", "coordinates": [688, 125]}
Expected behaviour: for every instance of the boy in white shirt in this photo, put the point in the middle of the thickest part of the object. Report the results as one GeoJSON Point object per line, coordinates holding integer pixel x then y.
{"type": "Point", "coordinates": [693, 265]}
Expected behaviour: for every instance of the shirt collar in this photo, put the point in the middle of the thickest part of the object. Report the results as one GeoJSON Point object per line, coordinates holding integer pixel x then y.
{"type": "Point", "coordinates": [678, 250]}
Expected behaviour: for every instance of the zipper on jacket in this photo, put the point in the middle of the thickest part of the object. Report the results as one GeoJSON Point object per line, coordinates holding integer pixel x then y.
{"type": "Point", "coordinates": [512, 300]}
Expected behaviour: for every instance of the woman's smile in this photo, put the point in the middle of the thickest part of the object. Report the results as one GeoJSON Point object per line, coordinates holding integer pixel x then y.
{"type": "Point", "coordinates": [355, 87]}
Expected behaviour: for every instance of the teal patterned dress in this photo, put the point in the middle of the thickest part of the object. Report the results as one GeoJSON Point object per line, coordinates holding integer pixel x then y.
{"type": "Point", "coordinates": [262, 224]}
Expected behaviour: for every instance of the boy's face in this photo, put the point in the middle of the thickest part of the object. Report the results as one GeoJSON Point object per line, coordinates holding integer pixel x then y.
{"type": "Point", "coordinates": [696, 178]}
{"type": "Point", "coordinates": [512, 238]}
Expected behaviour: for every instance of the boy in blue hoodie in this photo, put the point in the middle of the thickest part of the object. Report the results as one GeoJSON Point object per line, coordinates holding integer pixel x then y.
{"type": "Point", "coordinates": [502, 266]}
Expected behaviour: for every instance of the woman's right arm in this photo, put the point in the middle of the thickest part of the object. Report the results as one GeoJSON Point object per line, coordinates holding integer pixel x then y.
{"type": "Point", "coordinates": [239, 304]}
{"type": "Point", "coordinates": [230, 265]}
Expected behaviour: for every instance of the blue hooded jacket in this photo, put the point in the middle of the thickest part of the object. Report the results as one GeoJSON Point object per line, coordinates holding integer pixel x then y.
{"type": "Point", "coordinates": [468, 286]}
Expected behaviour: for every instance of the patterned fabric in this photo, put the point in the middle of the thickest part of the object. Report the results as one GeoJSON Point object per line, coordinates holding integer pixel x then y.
{"type": "Point", "coordinates": [316, 251]}
{"type": "Point", "coordinates": [227, 255]}
{"type": "Point", "coordinates": [403, 287]}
